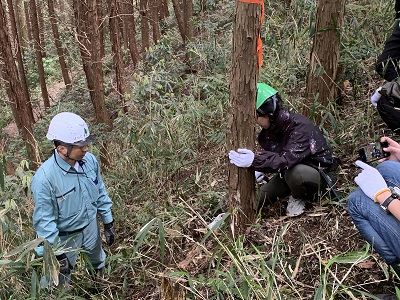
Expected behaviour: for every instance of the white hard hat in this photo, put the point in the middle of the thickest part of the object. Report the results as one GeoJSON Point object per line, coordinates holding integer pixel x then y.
{"type": "Point", "coordinates": [69, 128]}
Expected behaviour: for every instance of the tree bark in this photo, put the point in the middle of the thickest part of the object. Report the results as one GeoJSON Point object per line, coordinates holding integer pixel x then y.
{"type": "Point", "coordinates": [28, 20]}
{"type": "Point", "coordinates": [86, 18]}
{"type": "Point", "coordinates": [129, 23]}
{"type": "Point", "coordinates": [115, 36]}
{"type": "Point", "coordinates": [164, 12]}
{"type": "Point", "coordinates": [144, 25]}
{"type": "Point", "coordinates": [20, 62]}
{"type": "Point", "coordinates": [324, 56]}
{"type": "Point", "coordinates": [241, 133]}
{"type": "Point", "coordinates": [39, 53]}
{"type": "Point", "coordinates": [39, 10]}
{"type": "Point", "coordinates": [57, 41]}
{"type": "Point", "coordinates": [21, 24]}
{"type": "Point", "coordinates": [154, 11]}
{"type": "Point", "coordinates": [180, 19]}
{"type": "Point", "coordinates": [11, 73]}
{"type": "Point", "coordinates": [188, 19]}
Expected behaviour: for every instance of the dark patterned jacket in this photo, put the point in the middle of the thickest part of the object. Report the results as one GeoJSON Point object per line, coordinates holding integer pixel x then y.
{"type": "Point", "coordinates": [291, 139]}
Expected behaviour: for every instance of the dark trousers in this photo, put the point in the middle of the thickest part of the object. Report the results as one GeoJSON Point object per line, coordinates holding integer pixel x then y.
{"type": "Point", "coordinates": [390, 113]}
{"type": "Point", "coordinates": [301, 181]}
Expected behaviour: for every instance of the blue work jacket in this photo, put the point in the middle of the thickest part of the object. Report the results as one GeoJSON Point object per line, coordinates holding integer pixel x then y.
{"type": "Point", "coordinates": [67, 200]}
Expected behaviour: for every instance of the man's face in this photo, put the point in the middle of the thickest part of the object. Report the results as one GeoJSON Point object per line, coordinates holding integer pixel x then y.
{"type": "Point", "coordinates": [264, 121]}
{"type": "Point", "coordinates": [77, 152]}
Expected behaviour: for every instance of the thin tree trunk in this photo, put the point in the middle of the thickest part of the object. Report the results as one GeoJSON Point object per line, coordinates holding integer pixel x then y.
{"type": "Point", "coordinates": [38, 48]}
{"type": "Point", "coordinates": [28, 20]}
{"type": "Point", "coordinates": [57, 41]}
{"type": "Point", "coordinates": [115, 36]}
{"type": "Point", "coordinates": [21, 24]}
{"type": "Point", "coordinates": [164, 12]}
{"type": "Point", "coordinates": [20, 62]}
{"type": "Point", "coordinates": [154, 10]}
{"type": "Point", "coordinates": [324, 55]}
{"type": "Point", "coordinates": [129, 22]}
{"type": "Point", "coordinates": [244, 75]}
{"type": "Point", "coordinates": [144, 24]}
{"type": "Point", "coordinates": [39, 10]}
{"type": "Point", "coordinates": [86, 18]}
{"type": "Point", "coordinates": [11, 73]}
{"type": "Point", "coordinates": [180, 19]}
{"type": "Point", "coordinates": [188, 19]}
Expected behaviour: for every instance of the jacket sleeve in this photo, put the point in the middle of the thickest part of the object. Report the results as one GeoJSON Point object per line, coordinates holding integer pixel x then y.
{"type": "Point", "coordinates": [104, 202]}
{"type": "Point", "coordinates": [296, 149]}
{"type": "Point", "coordinates": [44, 218]}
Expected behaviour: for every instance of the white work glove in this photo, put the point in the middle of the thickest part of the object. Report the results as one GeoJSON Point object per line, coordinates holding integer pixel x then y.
{"type": "Point", "coordinates": [376, 96]}
{"type": "Point", "coordinates": [243, 158]}
{"type": "Point", "coordinates": [370, 180]}
{"type": "Point", "coordinates": [259, 176]}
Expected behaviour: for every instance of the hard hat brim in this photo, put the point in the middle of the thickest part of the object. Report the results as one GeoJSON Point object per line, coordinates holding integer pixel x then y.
{"type": "Point", "coordinates": [90, 139]}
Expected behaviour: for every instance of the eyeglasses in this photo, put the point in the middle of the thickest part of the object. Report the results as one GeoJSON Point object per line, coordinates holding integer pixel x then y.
{"type": "Point", "coordinates": [80, 147]}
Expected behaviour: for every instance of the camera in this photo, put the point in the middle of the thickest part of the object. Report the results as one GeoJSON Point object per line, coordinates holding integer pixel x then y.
{"type": "Point", "coordinates": [373, 151]}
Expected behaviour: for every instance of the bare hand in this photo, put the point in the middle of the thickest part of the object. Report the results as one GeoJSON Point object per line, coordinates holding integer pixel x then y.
{"type": "Point", "coordinates": [393, 149]}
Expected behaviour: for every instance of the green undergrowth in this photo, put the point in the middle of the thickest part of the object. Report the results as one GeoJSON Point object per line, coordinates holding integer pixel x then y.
{"type": "Point", "coordinates": [169, 171]}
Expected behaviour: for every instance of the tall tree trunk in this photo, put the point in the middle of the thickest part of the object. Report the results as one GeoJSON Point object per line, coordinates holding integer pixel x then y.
{"type": "Point", "coordinates": [154, 10]}
{"type": "Point", "coordinates": [188, 19]}
{"type": "Point", "coordinates": [86, 18]}
{"type": "Point", "coordinates": [39, 10]}
{"type": "Point", "coordinates": [244, 75]}
{"type": "Point", "coordinates": [57, 41]}
{"type": "Point", "coordinates": [38, 48]}
{"type": "Point", "coordinates": [144, 25]}
{"type": "Point", "coordinates": [11, 73]}
{"type": "Point", "coordinates": [324, 56]}
{"type": "Point", "coordinates": [28, 20]}
{"type": "Point", "coordinates": [21, 24]}
{"type": "Point", "coordinates": [102, 27]}
{"type": "Point", "coordinates": [115, 36]}
{"type": "Point", "coordinates": [125, 31]}
{"type": "Point", "coordinates": [180, 19]}
{"type": "Point", "coordinates": [20, 62]}
{"type": "Point", "coordinates": [129, 23]}
{"type": "Point", "coordinates": [164, 12]}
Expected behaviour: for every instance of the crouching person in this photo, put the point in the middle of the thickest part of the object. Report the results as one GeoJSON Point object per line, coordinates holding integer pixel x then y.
{"type": "Point", "coordinates": [293, 148]}
{"type": "Point", "coordinates": [69, 193]}
{"type": "Point", "coordinates": [375, 205]}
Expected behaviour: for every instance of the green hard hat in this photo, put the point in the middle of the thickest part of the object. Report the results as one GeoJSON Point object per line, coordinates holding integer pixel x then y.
{"type": "Point", "coordinates": [264, 91]}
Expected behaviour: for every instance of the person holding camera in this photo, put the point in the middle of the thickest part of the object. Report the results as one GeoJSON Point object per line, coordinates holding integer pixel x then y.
{"type": "Point", "coordinates": [69, 193]}
{"type": "Point", "coordinates": [375, 205]}
{"type": "Point", "coordinates": [387, 98]}
{"type": "Point", "coordinates": [293, 148]}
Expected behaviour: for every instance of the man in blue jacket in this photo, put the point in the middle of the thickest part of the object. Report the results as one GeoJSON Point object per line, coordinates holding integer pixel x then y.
{"type": "Point", "coordinates": [69, 193]}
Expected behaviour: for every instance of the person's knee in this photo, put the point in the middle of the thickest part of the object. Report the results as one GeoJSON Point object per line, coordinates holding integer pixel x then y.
{"type": "Point", "coordinates": [389, 171]}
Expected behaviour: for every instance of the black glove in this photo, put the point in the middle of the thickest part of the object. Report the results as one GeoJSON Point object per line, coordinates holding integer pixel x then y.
{"type": "Point", "coordinates": [65, 265]}
{"type": "Point", "coordinates": [109, 232]}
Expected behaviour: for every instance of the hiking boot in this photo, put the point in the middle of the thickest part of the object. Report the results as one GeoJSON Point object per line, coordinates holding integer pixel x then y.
{"type": "Point", "coordinates": [295, 207]}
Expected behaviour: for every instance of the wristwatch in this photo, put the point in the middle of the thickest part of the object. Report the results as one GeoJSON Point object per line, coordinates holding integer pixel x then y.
{"type": "Point", "coordinates": [395, 195]}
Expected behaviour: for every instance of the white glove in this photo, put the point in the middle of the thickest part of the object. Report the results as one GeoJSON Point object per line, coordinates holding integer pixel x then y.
{"type": "Point", "coordinates": [243, 158]}
{"type": "Point", "coordinates": [370, 180]}
{"type": "Point", "coordinates": [376, 96]}
{"type": "Point", "coordinates": [259, 176]}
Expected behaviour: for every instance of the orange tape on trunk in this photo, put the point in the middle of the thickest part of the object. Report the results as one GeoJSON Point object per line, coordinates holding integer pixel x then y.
{"type": "Point", "coordinates": [259, 41]}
